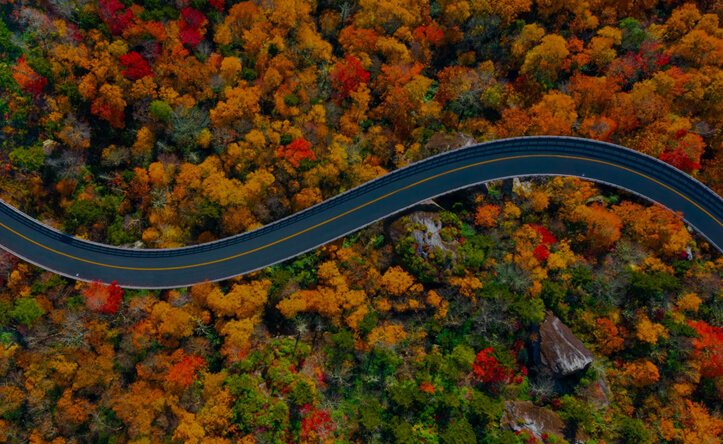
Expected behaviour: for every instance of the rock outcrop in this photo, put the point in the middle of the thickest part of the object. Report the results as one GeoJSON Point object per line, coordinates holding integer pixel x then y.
{"type": "Point", "coordinates": [441, 142]}
{"type": "Point", "coordinates": [560, 351]}
{"type": "Point", "coordinates": [597, 394]}
{"type": "Point", "coordinates": [424, 227]}
{"type": "Point", "coordinates": [524, 415]}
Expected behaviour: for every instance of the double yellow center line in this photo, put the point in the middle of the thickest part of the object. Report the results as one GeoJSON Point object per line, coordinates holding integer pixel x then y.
{"type": "Point", "coordinates": [357, 208]}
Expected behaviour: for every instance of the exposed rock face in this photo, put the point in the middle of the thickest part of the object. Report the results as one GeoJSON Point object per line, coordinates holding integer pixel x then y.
{"type": "Point", "coordinates": [49, 145]}
{"type": "Point", "coordinates": [425, 227]}
{"type": "Point", "coordinates": [598, 394]}
{"type": "Point", "coordinates": [441, 142]}
{"type": "Point", "coordinates": [524, 415]}
{"type": "Point", "coordinates": [560, 350]}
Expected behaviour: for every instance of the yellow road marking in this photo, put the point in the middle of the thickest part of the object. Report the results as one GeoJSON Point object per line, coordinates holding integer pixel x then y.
{"type": "Point", "coordinates": [391, 193]}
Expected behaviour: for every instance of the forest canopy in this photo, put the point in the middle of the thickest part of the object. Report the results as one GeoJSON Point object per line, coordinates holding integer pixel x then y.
{"type": "Point", "coordinates": [157, 124]}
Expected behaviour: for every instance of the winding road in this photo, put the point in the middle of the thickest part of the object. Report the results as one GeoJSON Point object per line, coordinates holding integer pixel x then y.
{"type": "Point", "coordinates": [79, 259]}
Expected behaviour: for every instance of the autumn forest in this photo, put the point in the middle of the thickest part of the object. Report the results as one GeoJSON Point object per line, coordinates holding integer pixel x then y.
{"type": "Point", "coordinates": [533, 310]}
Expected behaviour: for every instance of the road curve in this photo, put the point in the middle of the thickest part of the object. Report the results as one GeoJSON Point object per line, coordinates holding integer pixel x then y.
{"type": "Point", "coordinates": [527, 156]}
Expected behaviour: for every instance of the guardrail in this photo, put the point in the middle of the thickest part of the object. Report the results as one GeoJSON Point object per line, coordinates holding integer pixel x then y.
{"type": "Point", "coordinates": [509, 147]}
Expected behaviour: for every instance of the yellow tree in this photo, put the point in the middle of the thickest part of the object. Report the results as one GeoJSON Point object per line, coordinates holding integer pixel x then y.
{"type": "Point", "coordinates": [554, 114]}
{"type": "Point", "coordinates": [242, 301]}
{"type": "Point", "coordinates": [602, 227]}
{"type": "Point", "coordinates": [138, 406]}
{"type": "Point", "coordinates": [143, 145]}
{"type": "Point", "coordinates": [398, 282]}
{"type": "Point", "coordinates": [402, 289]}
{"type": "Point", "coordinates": [306, 198]}
{"type": "Point", "coordinates": [172, 322]}
{"type": "Point", "coordinates": [73, 410]}
{"type": "Point", "coordinates": [237, 337]}
{"type": "Point", "coordinates": [655, 227]}
{"type": "Point", "coordinates": [109, 105]}
{"type": "Point", "coordinates": [486, 215]}
{"type": "Point", "coordinates": [215, 416]}
{"type": "Point", "coordinates": [332, 299]}
{"type": "Point", "coordinates": [242, 102]}
{"type": "Point", "coordinates": [387, 335]}
{"type": "Point", "coordinates": [600, 49]}
{"type": "Point", "coordinates": [650, 332]}
{"type": "Point", "coordinates": [545, 60]}
{"type": "Point", "coordinates": [640, 373]}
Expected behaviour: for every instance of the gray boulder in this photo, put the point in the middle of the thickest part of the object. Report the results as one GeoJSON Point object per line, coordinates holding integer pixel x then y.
{"type": "Point", "coordinates": [560, 351]}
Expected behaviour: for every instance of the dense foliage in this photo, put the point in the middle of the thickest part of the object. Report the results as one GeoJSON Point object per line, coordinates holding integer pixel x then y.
{"type": "Point", "coordinates": [160, 124]}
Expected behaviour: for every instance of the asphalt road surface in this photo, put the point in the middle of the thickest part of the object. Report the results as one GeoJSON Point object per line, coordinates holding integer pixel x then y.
{"type": "Point", "coordinates": [528, 156]}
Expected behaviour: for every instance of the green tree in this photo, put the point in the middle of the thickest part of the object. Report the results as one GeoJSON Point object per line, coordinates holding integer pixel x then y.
{"type": "Point", "coordinates": [633, 34]}
{"type": "Point", "coordinates": [28, 159]}
{"type": "Point", "coordinates": [27, 311]}
{"type": "Point", "coordinates": [370, 414]}
{"type": "Point", "coordinates": [459, 432]}
{"type": "Point", "coordinates": [83, 213]}
{"type": "Point", "coordinates": [161, 110]}
{"type": "Point", "coordinates": [485, 409]}
{"type": "Point", "coordinates": [633, 431]}
{"type": "Point", "coordinates": [8, 49]}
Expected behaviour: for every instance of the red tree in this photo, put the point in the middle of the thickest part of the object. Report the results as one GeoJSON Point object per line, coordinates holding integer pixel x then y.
{"type": "Point", "coordinates": [192, 20]}
{"type": "Point", "coordinates": [102, 298]}
{"type": "Point", "coordinates": [217, 4]}
{"type": "Point", "coordinates": [115, 15]}
{"type": "Point", "coordinates": [347, 75]}
{"type": "Point", "coordinates": [541, 252]}
{"type": "Point", "coordinates": [316, 425]}
{"type": "Point", "coordinates": [184, 371]}
{"type": "Point", "coordinates": [488, 369]}
{"type": "Point", "coordinates": [708, 348]}
{"type": "Point", "coordinates": [635, 65]}
{"type": "Point", "coordinates": [432, 33]}
{"type": "Point", "coordinates": [193, 17]}
{"type": "Point", "coordinates": [136, 67]}
{"type": "Point", "coordinates": [296, 152]}
{"type": "Point", "coordinates": [29, 80]}
{"type": "Point", "coordinates": [547, 237]}
{"type": "Point", "coordinates": [679, 159]}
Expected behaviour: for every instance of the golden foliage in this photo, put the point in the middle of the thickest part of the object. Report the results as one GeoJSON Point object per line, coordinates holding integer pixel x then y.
{"type": "Point", "coordinates": [562, 257]}
{"type": "Point", "coordinates": [689, 302]}
{"type": "Point", "coordinates": [650, 332]}
{"type": "Point", "coordinates": [237, 337]}
{"type": "Point", "coordinates": [306, 198]}
{"type": "Point", "coordinates": [171, 321]}
{"type": "Point", "coordinates": [332, 299]}
{"type": "Point", "coordinates": [641, 373]}
{"type": "Point", "coordinates": [655, 227]}
{"type": "Point", "coordinates": [602, 227]}
{"type": "Point", "coordinates": [242, 102]}
{"type": "Point", "coordinates": [387, 335]}
{"type": "Point", "coordinates": [138, 406]}
{"type": "Point", "coordinates": [398, 282]}
{"type": "Point", "coordinates": [554, 114]}
{"type": "Point", "coordinates": [545, 59]}
{"type": "Point", "coordinates": [230, 68]}
{"type": "Point", "coordinates": [143, 145]}
{"type": "Point", "coordinates": [243, 301]}
{"type": "Point", "coordinates": [486, 215]}
{"type": "Point", "coordinates": [72, 410]}
{"type": "Point", "coordinates": [467, 285]}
